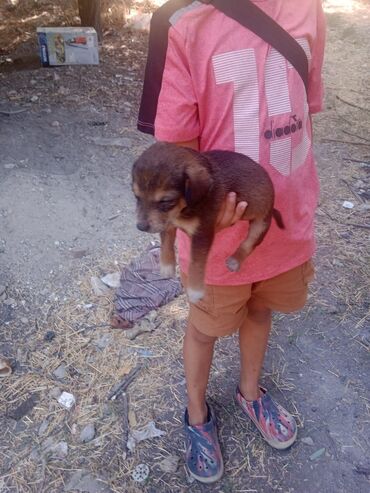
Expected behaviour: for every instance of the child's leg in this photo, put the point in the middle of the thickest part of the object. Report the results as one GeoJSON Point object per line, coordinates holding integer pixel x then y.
{"type": "Point", "coordinates": [253, 337]}
{"type": "Point", "coordinates": [198, 352]}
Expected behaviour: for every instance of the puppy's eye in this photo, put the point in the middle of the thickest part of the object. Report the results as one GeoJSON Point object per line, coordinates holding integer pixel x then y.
{"type": "Point", "coordinates": [165, 205]}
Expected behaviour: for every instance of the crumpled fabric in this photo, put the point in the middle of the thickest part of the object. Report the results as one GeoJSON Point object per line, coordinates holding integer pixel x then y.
{"type": "Point", "coordinates": [143, 289]}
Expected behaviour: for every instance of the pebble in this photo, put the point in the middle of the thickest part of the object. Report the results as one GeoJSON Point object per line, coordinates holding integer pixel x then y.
{"type": "Point", "coordinates": [83, 481]}
{"type": "Point", "coordinates": [67, 400]}
{"type": "Point", "coordinates": [88, 433]}
{"type": "Point", "coordinates": [60, 372]}
{"type": "Point", "coordinates": [55, 450]}
{"type": "Point", "coordinates": [112, 280]}
{"type": "Point", "coordinates": [24, 320]}
{"type": "Point", "coordinates": [2, 289]}
{"type": "Point", "coordinates": [316, 455]}
{"type": "Point", "coordinates": [55, 123]}
{"type": "Point", "coordinates": [9, 166]}
{"type": "Point", "coordinates": [34, 98]}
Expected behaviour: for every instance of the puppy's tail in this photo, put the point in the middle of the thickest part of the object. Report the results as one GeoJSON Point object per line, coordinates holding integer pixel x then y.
{"type": "Point", "coordinates": [279, 220]}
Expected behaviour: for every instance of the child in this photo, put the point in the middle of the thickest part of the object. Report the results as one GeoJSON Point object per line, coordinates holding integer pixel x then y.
{"type": "Point", "coordinates": [212, 84]}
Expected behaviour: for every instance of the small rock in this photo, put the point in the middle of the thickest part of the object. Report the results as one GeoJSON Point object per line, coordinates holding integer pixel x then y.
{"type": "Point", "coordinates": [88, 433]}
{"type": "Point", "coordinates": [55, 123]}
{"type": "Point", "coordinates": [24, 320]}
{"type": "Point", "coordinates": [2, 289]}
{"type": "Point", "coordinates": [99, 288]}
{"type": "Point", "coordinates": [170, 464]}
{"type": "Point", "coordinates": [49, 336]}
{"type": "Point", "coordinates": [56, 76]}
{"type": "Point", "coordinates": [34, 98]}
{"type": "Point", "coordinates": [348, 205]}
{"type": "Point", "coordinates": [67, 400]}
{"type": "Point", "coordinates": [60, 372]}
{"type": "Point", "coordinates": [307, 440]}
{"type": "Point", "coordinates": [33, 82]}
{"type": "Point", "coordinates": [9, 166]}
{"type": "Point", "coordinates": [112, 280]}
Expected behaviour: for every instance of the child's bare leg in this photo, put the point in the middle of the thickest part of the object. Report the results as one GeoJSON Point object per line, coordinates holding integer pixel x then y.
{"type": "Point", "coordinates": [253, 337]}
{"type": "Point", "coordinates": [198, 352]}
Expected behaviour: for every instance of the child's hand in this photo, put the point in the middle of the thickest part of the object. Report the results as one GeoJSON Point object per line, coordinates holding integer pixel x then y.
{"type": "Point", "coordinates": [230, 212]}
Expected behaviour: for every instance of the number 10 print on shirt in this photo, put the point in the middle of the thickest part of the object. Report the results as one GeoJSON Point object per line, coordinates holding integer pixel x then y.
{"type": "Point", "coordinates": [286, 132]}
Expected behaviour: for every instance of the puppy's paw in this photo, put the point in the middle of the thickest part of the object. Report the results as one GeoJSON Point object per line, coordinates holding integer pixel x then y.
{"type": "Point", "coordinates": [232, 264]}
{"type": "Point", "coordinates": [195, 295]}
{"type": "Point", "coordinates": [167, 270]}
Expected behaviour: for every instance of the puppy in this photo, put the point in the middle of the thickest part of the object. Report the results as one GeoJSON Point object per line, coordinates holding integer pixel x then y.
{"type": "Point", "coordinates": [177, 187]}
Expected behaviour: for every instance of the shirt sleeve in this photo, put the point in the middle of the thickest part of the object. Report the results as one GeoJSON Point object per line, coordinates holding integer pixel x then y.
{"type": "Point", "coordinates": [177, 110]}
{"type": "Point", "coordinates": [316, 87]}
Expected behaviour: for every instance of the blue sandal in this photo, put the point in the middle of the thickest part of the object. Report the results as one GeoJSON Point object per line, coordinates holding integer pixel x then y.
{"type": "Point", "coordinates": [203, 453]}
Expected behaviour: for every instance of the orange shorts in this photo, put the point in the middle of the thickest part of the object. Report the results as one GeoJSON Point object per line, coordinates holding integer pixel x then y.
{"type": "Point", "coordinates": [224, 308]}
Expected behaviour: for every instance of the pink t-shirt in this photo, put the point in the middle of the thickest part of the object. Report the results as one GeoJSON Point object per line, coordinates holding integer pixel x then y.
{"type": "Point", "coordinates": [224, 85]}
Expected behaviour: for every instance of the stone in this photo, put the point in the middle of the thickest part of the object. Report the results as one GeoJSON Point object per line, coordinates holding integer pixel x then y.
{"type": "Point", "coordinates": [2, 289]}
{"type": "Point", "coordinates": [49, 336]}
{"type": "Point", "coordinates": [43, 427]}
{"type": "Point", "coordinates": [24, 408]}
{"type": "Point", "coordinates": [55, 392]}
{"type": "Point", "coordinates": [170, 464]}
{"type": "Point", "coordinates": [10, 165]}
{"type": "Point", "coordinates": [88, 433]}
{"type": "Point", "coordinates": [67, 400]}
{"type": "Point", "coordinates": [10, 301]}
{"type": "Point", "coordinates": [34, 98]}
{"type": "Point", "coordinates": [60, 372]}
{"type": "Point", "coordinates": [55, 123]}
{"type": "Point", "coordinates": [54, 450]}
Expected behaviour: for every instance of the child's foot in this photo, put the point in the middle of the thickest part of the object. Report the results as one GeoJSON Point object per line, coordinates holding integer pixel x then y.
{"type": "Point", "coordinates": [203, 453]}
{"type": "Point", "coordinates": [277, 426]}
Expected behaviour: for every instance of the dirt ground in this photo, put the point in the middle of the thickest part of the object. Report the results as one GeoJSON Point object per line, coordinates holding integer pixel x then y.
{"type": "Point", "coordinates": [66, 214]}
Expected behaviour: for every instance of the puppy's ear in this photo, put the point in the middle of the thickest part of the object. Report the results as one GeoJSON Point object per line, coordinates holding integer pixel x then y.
{"type": "Point", "coordinates": [198, 181]}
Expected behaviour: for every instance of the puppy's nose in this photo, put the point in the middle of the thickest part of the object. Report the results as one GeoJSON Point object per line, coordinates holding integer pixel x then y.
{"type": "Point", "coordinates": [143, 226]}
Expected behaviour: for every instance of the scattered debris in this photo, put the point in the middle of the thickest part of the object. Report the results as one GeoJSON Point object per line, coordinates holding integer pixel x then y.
{"type": "Point", "coordinates": [145, 433]}
{"type": "Point", "coordinates": [5, 367]}
{"type": "Point", "coordinates": [103, 341]}
{"type": "Point", "coordinates": [112, 280]}
{"type": "Point", "coordinates": [55, 393]}
{"type": "Point", "coordinates": [316, 455]}
{"type": "Point", "coordinates": [10, 165]}
{"type": "Point", "coordinates": [55, 123]}
{"type": "Point", "coordinates": [99, 288]}
{"type": "Point", "coordinates": [88, 433]}
{"type": "Point", "coordinates": [125, 382]}
{"type": "Point", "coordinates": [141, 473]}
{"type": "Point", "coordinates": [348, 205]}
{"type": "Point", "coordinates": [170, 464]}
{"type": "Point", "coordinates": [67, 400]}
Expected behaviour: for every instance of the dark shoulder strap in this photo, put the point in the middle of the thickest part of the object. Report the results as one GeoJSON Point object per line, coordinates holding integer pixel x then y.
{"type": "Point", "coordinates": [256, 20]}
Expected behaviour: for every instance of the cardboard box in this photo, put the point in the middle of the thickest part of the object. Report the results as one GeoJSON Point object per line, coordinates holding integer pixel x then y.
{"type": "Point", "coordinates": [68, 46]}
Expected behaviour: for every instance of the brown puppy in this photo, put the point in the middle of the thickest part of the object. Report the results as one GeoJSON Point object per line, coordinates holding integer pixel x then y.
{"type": "Point", "coordinates": [177, 187]}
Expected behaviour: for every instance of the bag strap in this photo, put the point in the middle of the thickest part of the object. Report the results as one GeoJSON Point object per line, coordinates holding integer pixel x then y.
{"type": "Point", "coordinates": [256, 20]}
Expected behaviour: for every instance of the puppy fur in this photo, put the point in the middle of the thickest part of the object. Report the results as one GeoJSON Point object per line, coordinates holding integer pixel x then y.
{"type": "Point", "coordinates": [177, 187]}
